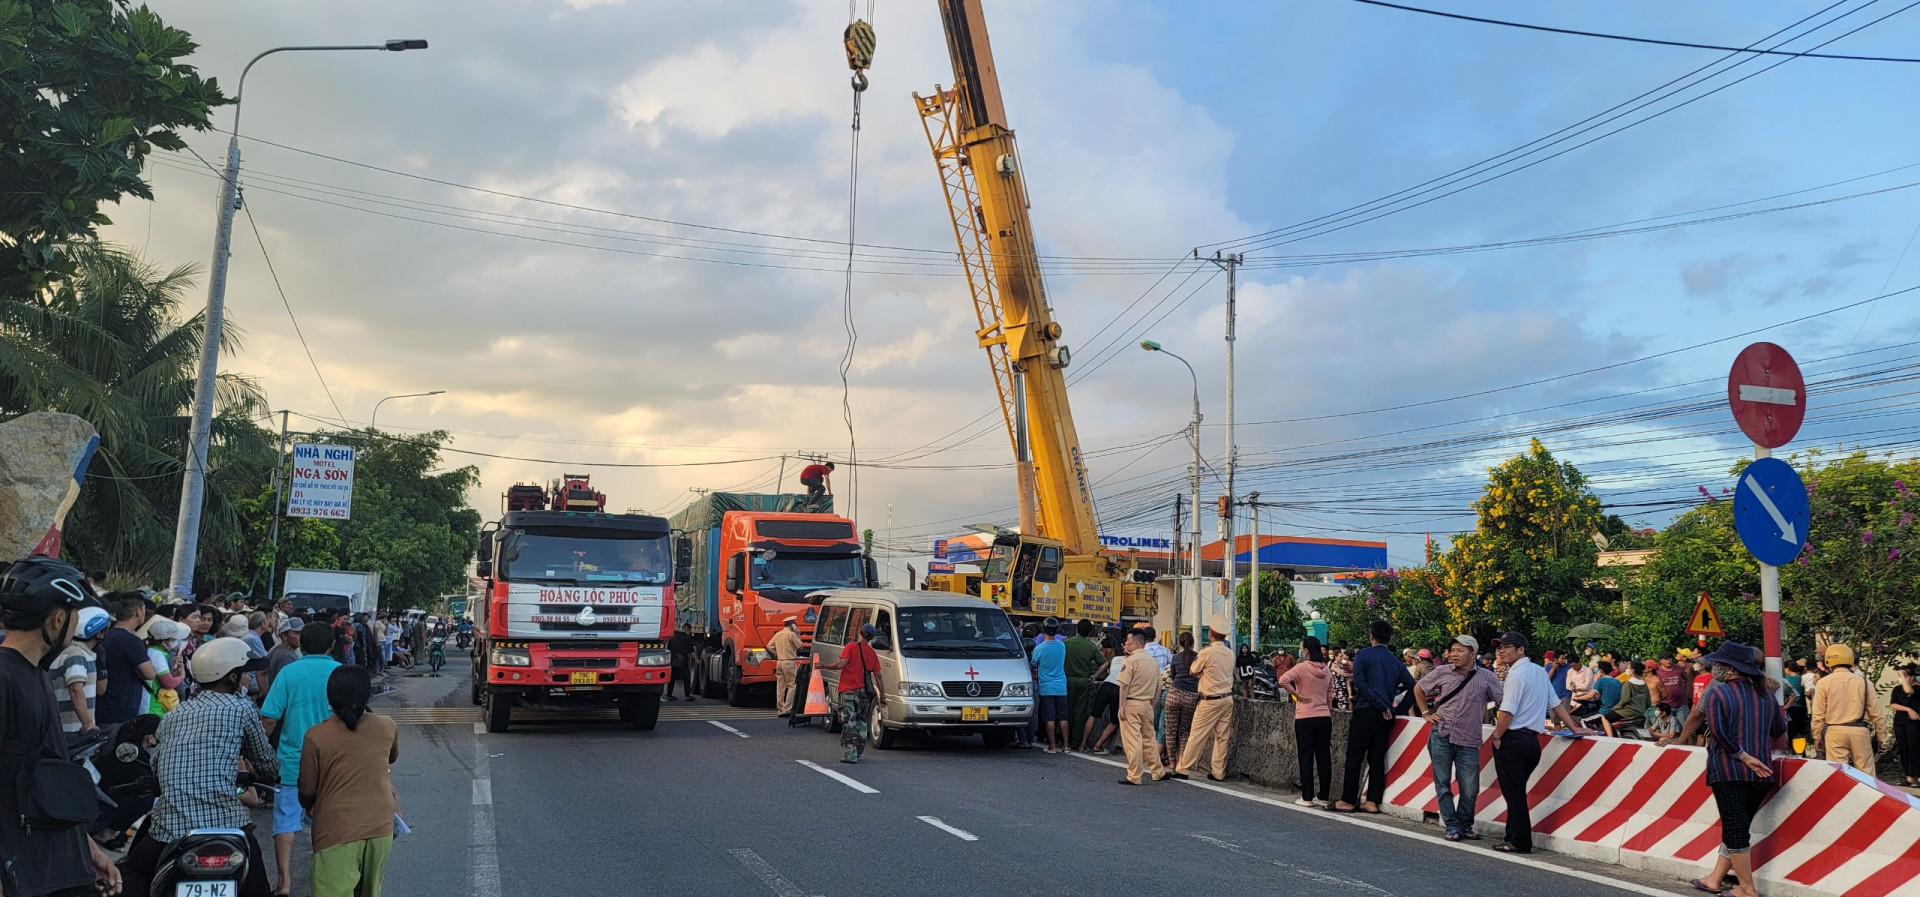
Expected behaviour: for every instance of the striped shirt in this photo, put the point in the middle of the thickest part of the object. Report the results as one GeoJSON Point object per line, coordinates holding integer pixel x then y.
{"type": "Point", "coordinates": [1739, 719]}
{"type": "Point", "coordinates": [75, 666]}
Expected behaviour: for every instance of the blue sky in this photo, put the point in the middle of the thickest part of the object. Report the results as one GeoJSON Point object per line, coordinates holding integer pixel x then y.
{"type": "Point", "coordinates": [1146, 129]}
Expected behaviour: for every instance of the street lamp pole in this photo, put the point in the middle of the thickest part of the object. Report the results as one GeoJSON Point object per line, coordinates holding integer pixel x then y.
{"type": "Point", "coordinates": [412, 395]}
{"type": "Point", "coordinates": [1193, 476]}
{"type": "Point", "coordinates": [193, 478]}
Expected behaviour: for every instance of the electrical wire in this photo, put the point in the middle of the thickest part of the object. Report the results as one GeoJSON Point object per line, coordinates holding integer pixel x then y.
{"type": "Point", "coordinates": [308, 349]}
{"type": "Point", "coordinates": [1623, 37]}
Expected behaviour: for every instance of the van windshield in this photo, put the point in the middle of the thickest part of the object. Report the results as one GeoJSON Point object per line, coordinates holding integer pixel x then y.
{"type": "Point", "coordinates": [957, 632]}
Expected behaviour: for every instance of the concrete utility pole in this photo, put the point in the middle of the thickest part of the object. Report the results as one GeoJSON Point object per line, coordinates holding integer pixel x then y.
{"type": "Point", "coordinates": [1253, 585]}
{"type": "Point", "coordinates": [1231, 555]}
{"type": "Point", "coordinates": [1179, 557]}
{"type": "Point", "coordinates": [193, 479]}
{"type": "Point", "coordinates": [1193, 436]}
{"type": "Point", "coordinates": [279, 466]}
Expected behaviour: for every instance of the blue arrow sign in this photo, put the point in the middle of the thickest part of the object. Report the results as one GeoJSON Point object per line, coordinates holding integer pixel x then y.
{"type": "Point", "coordinates": [1770, 511]}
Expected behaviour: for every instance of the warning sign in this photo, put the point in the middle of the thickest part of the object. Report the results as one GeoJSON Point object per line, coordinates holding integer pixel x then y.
{"type": "Point", "coordinates": [1705, 620]}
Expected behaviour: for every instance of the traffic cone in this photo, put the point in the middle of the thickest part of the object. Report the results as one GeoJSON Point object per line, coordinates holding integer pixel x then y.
{"type": "Point", "coordinates": [816, 695]}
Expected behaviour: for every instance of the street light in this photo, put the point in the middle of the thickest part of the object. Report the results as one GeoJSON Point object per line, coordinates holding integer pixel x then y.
{"type": "Point", "coordinates": [411, 395]}
{"type": "Point", "coordinates": [193, 477]}
{"type": "Point", "coordinates": [1193, 437]}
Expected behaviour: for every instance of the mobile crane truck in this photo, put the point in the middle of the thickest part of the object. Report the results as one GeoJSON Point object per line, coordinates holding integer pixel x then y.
{"type": "Point", "coordinates": [749, 562]}
{"type": "Point", "coordinates": [572, 606]}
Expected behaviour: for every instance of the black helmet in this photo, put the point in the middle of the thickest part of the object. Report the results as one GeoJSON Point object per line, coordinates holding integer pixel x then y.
{"type": "Point", "coordinates": [32, 587]}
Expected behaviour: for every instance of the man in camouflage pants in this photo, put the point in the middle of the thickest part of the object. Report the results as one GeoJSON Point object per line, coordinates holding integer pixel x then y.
{"type": "Point", "coordinates": [859, 668]}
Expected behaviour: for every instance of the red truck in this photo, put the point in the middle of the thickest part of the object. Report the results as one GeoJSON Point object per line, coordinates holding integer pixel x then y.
{"type": "Point", "coordinates": [572, 608]}
{"type": "Point", "coordinates": [751, 561]}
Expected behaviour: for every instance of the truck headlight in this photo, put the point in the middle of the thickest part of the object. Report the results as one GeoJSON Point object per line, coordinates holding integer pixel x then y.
{"type": "Point", "coordinates": [654, 659]}
{"type": "Point", "coordinates": [921, 690]}
{"type": "Point", "coordinates": [509, 657]}
{"type": "Point", "coordinates": [757, 657]}
{"type": "Point", "coordinates": [1018, 690]}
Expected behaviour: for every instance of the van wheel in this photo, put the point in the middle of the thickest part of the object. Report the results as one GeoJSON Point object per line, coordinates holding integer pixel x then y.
{"type": "Point", "coordinates": [641, 711]}
{"type": "Point", "coordinates": [499, 711]}
{"type": "Point", "coordinates": [878, 734]}
{"type": "Point", "coordinates": [833, 724]}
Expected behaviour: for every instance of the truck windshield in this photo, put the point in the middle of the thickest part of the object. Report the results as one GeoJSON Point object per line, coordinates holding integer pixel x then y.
{"type": "Point", "coordinates": [957, 632]}
{"type": "Point", "coordinates": [528, 557]}
{"type": "Point", "coordinates": [790, 575]}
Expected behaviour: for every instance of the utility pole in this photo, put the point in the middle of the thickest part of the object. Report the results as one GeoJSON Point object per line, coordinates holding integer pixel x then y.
{"type": "Point", "coordinates": [1231, 264]}
{"type": "Point", "coordinates": [1253, 584]}
{"type": "Point", "coordinates": [279, 464]}
{"type": "Point", "coordinates": [1179, 555]}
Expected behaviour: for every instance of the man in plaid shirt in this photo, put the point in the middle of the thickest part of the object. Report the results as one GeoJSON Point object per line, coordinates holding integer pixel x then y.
{"type": "Point", "coordinates": [197, 760]}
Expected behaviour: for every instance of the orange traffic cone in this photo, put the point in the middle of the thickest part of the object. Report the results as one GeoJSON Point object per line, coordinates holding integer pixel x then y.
{"type": "Point", "coordinates": [816, 695]}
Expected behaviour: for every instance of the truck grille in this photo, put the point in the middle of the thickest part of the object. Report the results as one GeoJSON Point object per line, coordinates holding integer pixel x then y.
{"type": "Point", "coordinates": [604, 663]}
{"type": "Point", "coordinates": [958, 689]}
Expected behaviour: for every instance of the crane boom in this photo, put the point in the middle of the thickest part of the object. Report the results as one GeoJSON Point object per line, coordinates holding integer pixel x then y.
{"type": "Point", "coordinates": [987, 200]}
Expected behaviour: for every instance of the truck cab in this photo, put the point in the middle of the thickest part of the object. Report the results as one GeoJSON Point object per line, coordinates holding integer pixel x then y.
{"type": "Point", "coordinates": [573, 610]}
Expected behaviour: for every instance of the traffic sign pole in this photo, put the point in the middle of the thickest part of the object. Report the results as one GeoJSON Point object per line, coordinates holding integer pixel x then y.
{"type": "Point", "coordinates": [1770, 602]}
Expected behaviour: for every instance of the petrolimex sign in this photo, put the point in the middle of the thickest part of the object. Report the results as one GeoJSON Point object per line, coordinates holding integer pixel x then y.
{"type": "Point", "coordinates": [1144, 543]}
{"type": "Point", "coordinates": [322, 481]}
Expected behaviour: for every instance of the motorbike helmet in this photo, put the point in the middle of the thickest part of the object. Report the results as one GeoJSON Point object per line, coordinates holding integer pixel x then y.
{"type": "Point", "coordinates": [1839, 655]}
{"type": "Point", "coordinates": [32, 587]}
{"type": "Point", "coordinates": [216, 659]}
{"type": "Point", "coordinates": [91, 621]}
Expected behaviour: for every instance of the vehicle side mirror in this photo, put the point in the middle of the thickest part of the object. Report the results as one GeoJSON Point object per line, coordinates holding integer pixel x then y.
{"type": "Point", "coordinates": [483, 569]}
{"type": "Point", "coordinates": [734, 571]}
{"type": "Point", "coordinates": [683, 561]}
{"type": "Point", "coordinates": [873, 572]}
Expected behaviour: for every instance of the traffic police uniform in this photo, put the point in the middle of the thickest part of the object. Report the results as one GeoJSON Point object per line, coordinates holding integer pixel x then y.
{"type": "Point", "coordinates": [785, 648]}
{"type": "Point", "coordinates": [1213, 718]}
{"type": "Point", "coordinates": [1139, 687]}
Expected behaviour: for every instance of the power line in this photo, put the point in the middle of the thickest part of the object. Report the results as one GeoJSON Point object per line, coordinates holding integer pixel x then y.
{"type": "Point", "coordinates": [1623, 37]}
{"type": "Point", "coordinates": [290, 315]}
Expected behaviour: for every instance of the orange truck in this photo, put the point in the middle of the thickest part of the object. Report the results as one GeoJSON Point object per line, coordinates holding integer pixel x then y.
{"type": "Point", "coordinates": [572, 608]}
{"type": "Point", "coordinates": [749, 561]}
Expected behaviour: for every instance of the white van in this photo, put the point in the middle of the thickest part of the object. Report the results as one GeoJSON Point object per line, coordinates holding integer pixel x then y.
{"type": "Point", "coordinates": [948, 662]}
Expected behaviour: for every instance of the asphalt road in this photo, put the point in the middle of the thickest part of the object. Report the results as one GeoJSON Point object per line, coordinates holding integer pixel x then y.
{"type": "Point", "coordinates": [694, 808]}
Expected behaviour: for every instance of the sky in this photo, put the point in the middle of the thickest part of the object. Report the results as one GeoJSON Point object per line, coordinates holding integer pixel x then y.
{"type": "Point", "coordinates": [614, 234]}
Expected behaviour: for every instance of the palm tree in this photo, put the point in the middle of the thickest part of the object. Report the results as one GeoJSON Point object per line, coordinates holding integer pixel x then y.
{"type": "Point", "coordinates": [109, 346]}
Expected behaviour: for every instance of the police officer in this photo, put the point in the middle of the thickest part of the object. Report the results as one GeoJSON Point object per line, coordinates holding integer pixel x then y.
{"type": "Point", "coordinates": [1139, 688]}
{"type": "Point", "coordinates": [785, 648]}
{"type": "Point", "coordinates": [1213, 719]}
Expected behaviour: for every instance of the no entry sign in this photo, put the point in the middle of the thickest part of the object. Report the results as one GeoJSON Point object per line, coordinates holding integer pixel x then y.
{"type": "Point", "coordinates": [1767, 394]}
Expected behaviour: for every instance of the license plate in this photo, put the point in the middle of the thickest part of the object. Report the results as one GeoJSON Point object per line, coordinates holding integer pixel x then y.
{"type": "Point", "coordinates": [584, 679]}
{"type": "Point", "coordinates": [205, 889]}
{"type": "Point", "coordinates": [973, 714]}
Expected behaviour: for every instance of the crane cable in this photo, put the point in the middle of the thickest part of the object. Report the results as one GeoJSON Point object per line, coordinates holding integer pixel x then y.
{"type": "Point", "coordinates": [859, 42]}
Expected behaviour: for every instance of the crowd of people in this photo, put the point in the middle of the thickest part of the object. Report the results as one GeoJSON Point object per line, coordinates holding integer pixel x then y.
{"type": "Point", "coordinates": [205, 712]}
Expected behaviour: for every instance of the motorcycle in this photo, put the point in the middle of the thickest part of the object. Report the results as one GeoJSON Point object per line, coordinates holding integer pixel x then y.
{"type": "Point", "coordinates": [437, 655]}
{"type": "Point", "coordinates": [206, 862]}
{"type": "Point", "coordinates": [465, 639]}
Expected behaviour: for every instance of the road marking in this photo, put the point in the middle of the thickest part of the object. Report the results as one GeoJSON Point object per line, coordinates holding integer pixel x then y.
{"type": "Point", "coordinates": [483, 841]}
{"type": "Point", "coordinates": [1773, 510]}
{"type": "Point", "coordinates": [844, 780]}
{"type": "Point", "coordinates": [729, 728]}
{"type": "Point", "coordinates": [774, 881]}
{"type": "Point", "coordinates": [482, 792]}
{"type": "Point", "coordinates": [1301, 871]}
{"type": "Point", "coordinates": [1770, 395]}
{"type": "Point", "coordinates": [958, 833]}
{"type": "Point", "coordinates": [479, 728]}
{"type": "Point", "coordinates": [1424, 837]}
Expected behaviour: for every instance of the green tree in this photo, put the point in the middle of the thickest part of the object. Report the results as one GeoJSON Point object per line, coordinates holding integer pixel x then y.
{"type": "Point", "coordinates": [1351, 612]}
{"type": "Point", "coordinates": [1281, 620]}
{"type": "Point", "coordinates": [108, 344]}
{"type": "Point", "coordinates": [89, 88]}
{"type": "Point", "coordinates": [1621, 536]}
{"type": "Point", "coordinates": [1528, 563]}
{"type": "Point", "coordinates": [1858, 578]}
{"type": "Point", "coordinates": [410, 523]}
{"type": "Point", "coordinates": [1698, 552]}
{"type": "Point", "coordinates": [304, 542]}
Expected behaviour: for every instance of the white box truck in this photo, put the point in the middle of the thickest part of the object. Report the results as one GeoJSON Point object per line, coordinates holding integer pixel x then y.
{"type": "Point", "coordinates": [331, 590]}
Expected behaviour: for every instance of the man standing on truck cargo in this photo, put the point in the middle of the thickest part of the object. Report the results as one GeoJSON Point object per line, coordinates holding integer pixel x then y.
{"type": "Point", "coordinates": [859, 688]}
{"type": "Point", "coordinates": [785, 648]}
{"type": "Point", "coordinates": [814, 477]}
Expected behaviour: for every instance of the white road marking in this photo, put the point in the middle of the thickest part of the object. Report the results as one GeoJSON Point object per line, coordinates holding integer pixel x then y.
{"type": "Point", "coordinates": [482, 792]}
{"type": "Point", "coordinates": [479, 728]}
{"type": "Point", "coordinates": [774, 881]}
{"type": "Point", "coordinates": [1302, 871]}
{"type": "Point", "coordinates": [1424, 837]}
{"type": "Point", "coordinates": [842, 779]}
{"type": "Point", "coordinates": [729, 728]}
{"type": "Point", "coordinates": [958, 833]}
{"type": "Point", "coordinates": [483, 843]}
{"type": "Point", "coordinates": [1769, 395]}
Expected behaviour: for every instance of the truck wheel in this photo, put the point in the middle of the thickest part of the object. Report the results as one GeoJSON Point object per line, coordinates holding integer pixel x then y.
{"type": "Point", "coordinates": [499, 710]}
{"type": "Point", "coordinates": [641, 711]}
{"type": "Point", "coordinates": [997, 738]}
{"type": "Point", "coordinates": [474, 681]}
{"type": "Point", "coordinates": [710, 686]}
{"type": "Point", "coordinates": [736, 692]}
{"type": "Point", "coordinates": [878, 734]}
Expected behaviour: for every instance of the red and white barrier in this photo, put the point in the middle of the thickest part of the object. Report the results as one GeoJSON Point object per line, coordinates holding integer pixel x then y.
{"type": "Point", "coordinates": [1827, 830]}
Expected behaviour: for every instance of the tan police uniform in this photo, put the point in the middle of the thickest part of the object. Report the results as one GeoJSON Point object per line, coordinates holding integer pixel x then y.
{"type": "Point", "coordinates": [785, 648]}
{"type": "Point", "coordinates": [1139, 686]}
{"type": "Point", "coordinates": [1213, 718]}
{"type": "Point", "coordinates": [1846, 718]}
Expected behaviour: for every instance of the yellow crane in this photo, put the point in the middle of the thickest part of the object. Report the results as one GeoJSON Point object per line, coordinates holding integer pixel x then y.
{"type": "Point", "coordinates": [1054, 565]}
